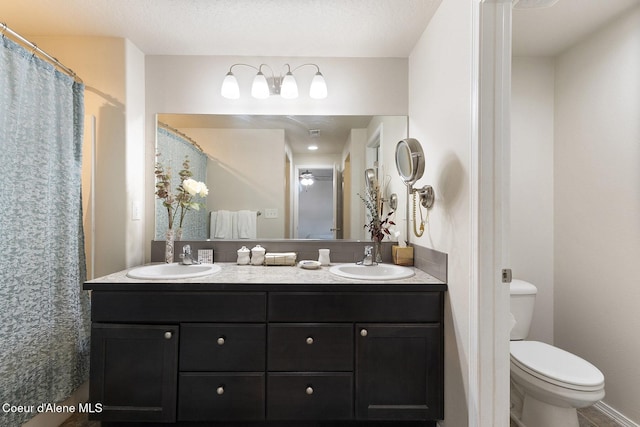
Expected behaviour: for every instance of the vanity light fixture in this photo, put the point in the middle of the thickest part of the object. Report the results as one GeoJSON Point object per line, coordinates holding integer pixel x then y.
{"type": "Point", "coordinates": [306, 178]}
{"type": "Point", "coordinates": [285, 86]}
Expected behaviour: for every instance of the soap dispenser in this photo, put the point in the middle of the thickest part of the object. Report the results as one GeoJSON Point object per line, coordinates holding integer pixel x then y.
{"type": "Point", "coordinates": [243, 255]}
{"type": "Point", "coordinates": [257, 255]}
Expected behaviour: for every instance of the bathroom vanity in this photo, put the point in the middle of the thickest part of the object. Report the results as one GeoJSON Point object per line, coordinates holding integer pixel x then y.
{"type": "Point", "coordinates": [273, 345]}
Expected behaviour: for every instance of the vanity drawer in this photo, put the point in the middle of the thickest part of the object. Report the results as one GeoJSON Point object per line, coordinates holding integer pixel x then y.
{"type": "Point", "coordinates": [177, 306]}
{"type": "Point", "coordinates": [222, 347]}
{"type": "Point", "coordinates": [310, 347]}
{"type": "Point", "coordinates": [355, 307]}
{"type": "Point", "coordinates": [229, 396]}
{"type": "Point", "coordinates": [317, 396]}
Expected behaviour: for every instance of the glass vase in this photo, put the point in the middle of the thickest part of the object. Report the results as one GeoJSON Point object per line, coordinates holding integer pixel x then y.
{"type": "Point", "coordinates": [377, 251]}
{"type": "Point", "coordinates": [169, 244]}
{"type": "Point", "coordinates": [178, 234]}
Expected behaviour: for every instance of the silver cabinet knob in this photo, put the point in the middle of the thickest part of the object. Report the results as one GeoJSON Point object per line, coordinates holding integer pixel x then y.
{"type": "Point", "coordinates": [220, 341]}
{"type": "Point", "coordinates": [309, 390]}
{"type": "Point", "coordinates": [364, 332]}
{"type": "Point", "coordinates": [168, 335]}
{"type": "Point", "coordinates": [309, 340]}
{"type": "Point", "coordinates": [220, 390]}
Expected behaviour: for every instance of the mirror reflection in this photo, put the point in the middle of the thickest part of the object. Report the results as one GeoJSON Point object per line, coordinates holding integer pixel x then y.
{"type": "Point", "coordinates": [277, 177]}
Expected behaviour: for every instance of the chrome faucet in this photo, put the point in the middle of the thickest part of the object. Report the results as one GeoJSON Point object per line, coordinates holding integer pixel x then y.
{"type": "Point", "coordinates": [186, 258]}
{"type": "Point", "coordinates": [368, 256]}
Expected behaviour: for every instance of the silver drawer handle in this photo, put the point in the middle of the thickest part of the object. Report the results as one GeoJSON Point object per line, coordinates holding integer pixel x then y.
{"type": "Point", "coordinates": [221, 341]}
{"type": "Point", "coordinates": [309, 390]}
{"type": "Point", "coordinates": [168, 335]}
{"type": "Point", "coordinates": [309, 340]}
{"type": "Point", "coordinates": [220, 390]}
{"type": "Point", "coordinates": [364, 332]}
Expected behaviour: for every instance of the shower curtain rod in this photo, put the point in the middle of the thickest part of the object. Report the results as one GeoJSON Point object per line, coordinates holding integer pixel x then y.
{"type": "Point", "coordinates": [35, 49]}
{"type": "Point", "coordinates": [177, 132]}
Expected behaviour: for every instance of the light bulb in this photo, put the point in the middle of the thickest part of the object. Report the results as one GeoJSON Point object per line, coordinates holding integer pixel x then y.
{"type": "Point", "coordinates": [318, 88]}
{"type": "Point", "coordinates": [230, 88]}
{"type": "Point", "coordinates": [260, 86]}
{"type": "Point", "coordinates": [289, 88]}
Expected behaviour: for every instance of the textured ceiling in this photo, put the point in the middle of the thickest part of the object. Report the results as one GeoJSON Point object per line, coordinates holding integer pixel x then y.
{"type": "Point", "coordinates": [338, 28]}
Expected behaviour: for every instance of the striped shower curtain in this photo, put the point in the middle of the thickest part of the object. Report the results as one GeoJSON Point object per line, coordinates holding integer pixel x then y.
{"type": "Point", "coordinates": [44, 314]}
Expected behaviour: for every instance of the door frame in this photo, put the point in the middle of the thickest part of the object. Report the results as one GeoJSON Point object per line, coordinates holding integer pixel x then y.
{"type": "Point", "coordinates": [296, 194]}
{"type": "Point", "coordinates": [489, 298]}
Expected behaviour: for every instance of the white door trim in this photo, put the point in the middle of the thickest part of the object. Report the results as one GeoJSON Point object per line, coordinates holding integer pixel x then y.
{"type": "Point", "coordinates": [489, 298]}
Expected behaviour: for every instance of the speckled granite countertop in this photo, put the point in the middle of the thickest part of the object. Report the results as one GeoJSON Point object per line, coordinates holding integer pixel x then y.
{"type": "Point", "coordinates": [250, 277]}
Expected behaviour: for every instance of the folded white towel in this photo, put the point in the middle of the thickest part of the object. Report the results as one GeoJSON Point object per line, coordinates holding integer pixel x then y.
{"type": "Point", "coordinates": [247, 224]}
{"type": "Point", "coordinates": [224, 225]}
{"type": "Point", "coordinates": [212, 224]}
{"type": "Point", "coordinates": [280, 258]}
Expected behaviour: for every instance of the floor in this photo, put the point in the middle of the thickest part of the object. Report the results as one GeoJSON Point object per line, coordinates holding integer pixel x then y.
{"type": "Point", "coordinates": [588, 417]}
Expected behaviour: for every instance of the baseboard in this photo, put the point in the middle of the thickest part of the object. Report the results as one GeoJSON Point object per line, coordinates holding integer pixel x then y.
{"type": "Point", "coordinates": [613, 413]}
{"type": "Point", "coordinates": [52, 419]}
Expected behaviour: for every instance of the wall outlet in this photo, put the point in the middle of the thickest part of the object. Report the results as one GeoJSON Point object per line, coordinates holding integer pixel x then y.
{"type": "Point", "coordinates": [271, 213]}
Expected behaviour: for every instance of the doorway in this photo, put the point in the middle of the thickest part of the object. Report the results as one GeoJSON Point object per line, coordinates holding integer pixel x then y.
{"type": "Point", "coordinates": [316, 203]}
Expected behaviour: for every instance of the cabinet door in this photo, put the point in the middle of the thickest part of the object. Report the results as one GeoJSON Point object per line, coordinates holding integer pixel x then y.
{"type": "Point", "coordinates": [134, 372]}
{"type": "Point", "coordinates": [399, 372]}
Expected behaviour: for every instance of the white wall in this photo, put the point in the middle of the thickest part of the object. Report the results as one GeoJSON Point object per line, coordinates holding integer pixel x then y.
{"type": "Point", "coordinates": [440, 108]}
{"type": "Point", "coordinates": [532, 111]}
{"type": "Point", "coordinates": [597, 207]}
{"type": "Point", "coordinates": [136, 180]}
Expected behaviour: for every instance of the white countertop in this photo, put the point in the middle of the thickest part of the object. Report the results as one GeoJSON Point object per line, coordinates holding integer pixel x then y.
{"type": "Point", "coordinates": [252, 274]}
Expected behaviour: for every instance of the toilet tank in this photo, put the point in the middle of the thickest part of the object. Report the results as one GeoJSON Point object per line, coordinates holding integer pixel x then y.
{"type": "Point", "coordinates": [523, 298]}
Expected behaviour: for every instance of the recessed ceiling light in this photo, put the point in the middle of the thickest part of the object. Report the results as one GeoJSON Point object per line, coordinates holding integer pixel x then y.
{"type": "Point", "coordinates": [312, 147]}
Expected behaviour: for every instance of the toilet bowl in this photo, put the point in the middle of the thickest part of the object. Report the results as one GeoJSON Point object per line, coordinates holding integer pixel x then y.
{"type": "Point", "coordinates": [547, 383]}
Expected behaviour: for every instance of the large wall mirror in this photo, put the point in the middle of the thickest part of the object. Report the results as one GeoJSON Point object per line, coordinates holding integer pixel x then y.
{"type": "Point", "coordinates": [277, 177]}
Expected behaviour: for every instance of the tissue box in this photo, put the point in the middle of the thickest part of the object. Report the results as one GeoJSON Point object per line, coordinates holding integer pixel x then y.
{"type": "Point", "coordinates": [402, 255]}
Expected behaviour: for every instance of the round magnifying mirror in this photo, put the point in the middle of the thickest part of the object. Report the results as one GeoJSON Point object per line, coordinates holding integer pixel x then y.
{"type": "Point", "coordinates": [409, 160]}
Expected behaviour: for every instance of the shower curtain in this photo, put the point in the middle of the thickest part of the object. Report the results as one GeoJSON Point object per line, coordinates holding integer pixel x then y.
{"type": "Point", "coordinates": [44, 314]}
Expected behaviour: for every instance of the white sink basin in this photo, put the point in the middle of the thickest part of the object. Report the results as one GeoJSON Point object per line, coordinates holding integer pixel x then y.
{"type": "Point", "coordinates": [173, 271]}
{"type": "Point", "coordinates": [372, 272]}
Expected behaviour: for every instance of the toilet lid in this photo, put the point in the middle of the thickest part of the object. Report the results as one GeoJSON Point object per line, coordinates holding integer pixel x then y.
{"type": "Point", "coordinates": [557, 365]}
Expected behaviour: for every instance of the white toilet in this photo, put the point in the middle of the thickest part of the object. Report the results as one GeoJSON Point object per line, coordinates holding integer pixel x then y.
{"type": "Point", "coordinates": [547, 383]}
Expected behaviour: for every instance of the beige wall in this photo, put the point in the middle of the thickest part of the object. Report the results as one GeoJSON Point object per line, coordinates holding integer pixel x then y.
{"type": "Point", "coordinates": [532, 120]}
{"type": "Point", "coordinates": [245, 171]}
{"type": "Point", "coordinates": [597, 207]}
{"type": "Point", "coordinates": [440, 108]}
{"type": "Point", "coordinates": [113, 73]}
{"type": "Point", "coordinates": [355, 149]}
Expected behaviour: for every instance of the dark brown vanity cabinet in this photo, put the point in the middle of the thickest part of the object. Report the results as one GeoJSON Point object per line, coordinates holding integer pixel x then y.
{"type": "Point", "coordinates": [343, 353]}
{"type": "Point", "coordinates": [134, 371]}
{"type": "Point", "coordinates": [399, 371]}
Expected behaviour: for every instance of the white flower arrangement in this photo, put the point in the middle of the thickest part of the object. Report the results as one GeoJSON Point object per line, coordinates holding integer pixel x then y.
{"type": "Point", "coordinates": [182, 200]}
